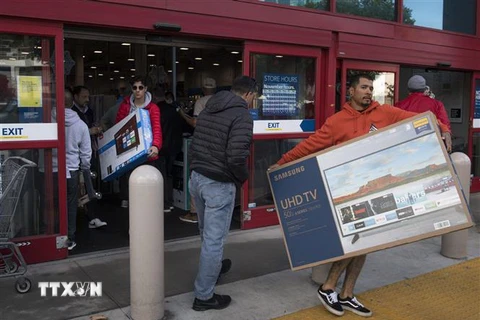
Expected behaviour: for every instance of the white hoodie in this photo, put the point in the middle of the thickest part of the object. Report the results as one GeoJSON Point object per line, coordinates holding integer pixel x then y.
{"type": "Point", "coordinates": [77, 142]}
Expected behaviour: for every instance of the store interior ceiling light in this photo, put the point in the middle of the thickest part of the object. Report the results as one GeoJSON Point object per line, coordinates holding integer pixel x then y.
{"type": "Point", "coordinates": [125, 44]}
{"type": "Point", "coordinates": [198, 59]}
{"type": "Point", "coordinates": [98, 51]}
{"type": "Point", "coordinates": [111, 62]}
{"type": "Point", "coordinates": [235, 52]}
{"type": "Point", "coordinates": [279, 56]}
{"type": "Point", "coordinates": [116, 71]}
{"type": "Point", "coordinates": [100, 74]}
{"type": "Point", "coordinates": [216, 64]}
{"type": "Point", "coordinates": [132, 69]}
{"type": "Point", "coordinates": [240, 61]}
{"type": "Point", "coordinates": [93, 67]}
{"type": "Point", "coordinates": [184, 49]}
{"type": "Point", "coordinates": [151, 54]}
{"type": "Point", "coordinates": [131, 59]}
{"type": "Point", "coordinates": [122, 77]}
{"type": "Point", "coordinates": [25, 53]}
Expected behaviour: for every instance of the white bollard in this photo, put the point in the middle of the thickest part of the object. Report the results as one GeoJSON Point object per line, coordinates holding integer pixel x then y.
{"type": "Point", "coordinates": [454, 245]}
{"type": "Point", "coordinates": [147, 287]}
{"type": "Point", "coordinates": [320, 273]}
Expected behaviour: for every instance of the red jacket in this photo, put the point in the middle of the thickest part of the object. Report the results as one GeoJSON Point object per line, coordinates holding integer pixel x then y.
{"type": "Point", "coordinates": [418, 102]}
{"type": "Point", "coordinates": [154, 111]}
{"type": "Point", "coordinates": [346, 125]}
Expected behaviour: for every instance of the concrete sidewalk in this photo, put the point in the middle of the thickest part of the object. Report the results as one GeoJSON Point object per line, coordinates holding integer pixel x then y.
{"type": "Point", "coordinates": [260, 282]}
{"type": "Point", "coordinates": [279, 293]}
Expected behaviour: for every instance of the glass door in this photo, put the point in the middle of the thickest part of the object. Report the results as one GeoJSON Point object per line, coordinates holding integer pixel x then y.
{"type": "Point", "coordinates": [385, 84]}
{"type": "Point", "coordinates": [474, 134]}
{"type": "Point", "coordinates": [285, 112]}
{"type": "Point", "coordinates": [32, 134]}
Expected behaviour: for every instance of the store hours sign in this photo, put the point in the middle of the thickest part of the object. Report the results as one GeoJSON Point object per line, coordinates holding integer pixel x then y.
{"type": "Point", "coordinates": [281, 94]}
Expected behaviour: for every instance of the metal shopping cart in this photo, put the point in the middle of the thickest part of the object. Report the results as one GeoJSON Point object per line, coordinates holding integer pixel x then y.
{"type": "Point", "coordinates": [12, 175]}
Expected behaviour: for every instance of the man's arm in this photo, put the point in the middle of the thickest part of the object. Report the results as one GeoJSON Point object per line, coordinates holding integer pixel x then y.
{"type": "Point", "coordinates": [85, 148]}
{"type": "Point", "coordinates": [441, 114]}
{"type": "Point", "coordinates": [238, 146]}
{"type": "Point", "coordinates": [190, 120]}
{"type": "Point", "coordinates": [321, 139]}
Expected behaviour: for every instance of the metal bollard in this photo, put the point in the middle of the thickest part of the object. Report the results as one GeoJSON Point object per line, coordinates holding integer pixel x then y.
{"type": "Point", "coordinates": [147, 284]}
{"type": "Point", "coordinates": [454, 245]}
{"type": "Point", "coordinates": [320, 273]}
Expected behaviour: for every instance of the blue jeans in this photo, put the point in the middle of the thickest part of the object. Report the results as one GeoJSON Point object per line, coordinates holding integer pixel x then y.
{"type": "Point", "coordinates": [214, 201]}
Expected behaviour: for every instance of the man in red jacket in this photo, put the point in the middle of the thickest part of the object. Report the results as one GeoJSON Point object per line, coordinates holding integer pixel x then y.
{"type": "Point", "coordinates": [420, 101]}
{"type": "Point", "coordinates": [141, 99]}
{"type": "Point", "coordinates": [360, 116]}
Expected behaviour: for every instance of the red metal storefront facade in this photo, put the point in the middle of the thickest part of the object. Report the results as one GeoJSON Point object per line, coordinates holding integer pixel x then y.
{"type": "Point", "coordinates": [336, 38]}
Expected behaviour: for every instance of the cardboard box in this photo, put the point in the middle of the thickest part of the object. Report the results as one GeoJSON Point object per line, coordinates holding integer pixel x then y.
{"type": "Point", "coordinates": [125, 145]}
{"type": "Point", "coordinates": [390, 187]}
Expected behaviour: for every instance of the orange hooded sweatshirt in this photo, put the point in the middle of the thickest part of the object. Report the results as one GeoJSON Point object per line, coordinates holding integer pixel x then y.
{"type": "Point", "coordinates": [348, 124]}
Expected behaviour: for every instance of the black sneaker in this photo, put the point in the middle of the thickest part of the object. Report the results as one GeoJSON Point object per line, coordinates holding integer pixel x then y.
{"type": "Point", "coordinates": [71, 244]}
{"type": "Point", "coordinates": [355, 306]}
{"type": "Point", "coordinates": [329, 299]}
{"type": "Point", "coordinates": [217, 302]}
{"type": "Point", "coordinates": [226, 266]}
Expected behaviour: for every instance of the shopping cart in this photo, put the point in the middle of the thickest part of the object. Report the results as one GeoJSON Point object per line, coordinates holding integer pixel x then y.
{"type": "Point", "coordinates": [12, 175]}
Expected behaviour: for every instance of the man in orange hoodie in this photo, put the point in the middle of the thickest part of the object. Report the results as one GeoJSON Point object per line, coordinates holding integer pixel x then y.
{"type": "Point", "coordinates": [360, 116]}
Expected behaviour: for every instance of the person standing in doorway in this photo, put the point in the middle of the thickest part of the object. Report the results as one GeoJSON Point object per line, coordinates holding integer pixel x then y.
{"type": "Point", "coordinates": [78, 154]}
{"type": "Point", "coordinates": [209, 88]}
{"type": "Point", "coordinates": [219, 153]}
{"type": "Point", "coordinates": [359, 116]}
{"type": "Point", "coordinates": [81, 99]}
{"type": "Point", "coordinates": [141, 99]}
{"type": "Point", "coordinates": [419, 100]}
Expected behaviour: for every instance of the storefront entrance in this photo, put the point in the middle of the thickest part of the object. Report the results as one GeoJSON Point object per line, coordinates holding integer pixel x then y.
{"type": "Point", "coordinates": [285, 113]}
{"type": "Point", "coordinates": [32, 128]}
{"type": "Point", "coordinates": [474, 133]}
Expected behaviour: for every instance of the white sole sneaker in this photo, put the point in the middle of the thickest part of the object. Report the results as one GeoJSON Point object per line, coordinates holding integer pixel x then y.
{"type": "Point", "coordinates": [330, 309]}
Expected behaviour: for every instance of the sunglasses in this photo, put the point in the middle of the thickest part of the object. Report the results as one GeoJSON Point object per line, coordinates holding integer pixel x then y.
{"type": "Point", "coordinates": [139, 88]}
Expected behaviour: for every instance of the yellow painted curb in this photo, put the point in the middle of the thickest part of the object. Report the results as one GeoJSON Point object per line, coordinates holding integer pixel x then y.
{"type": "Point", "coordinates": [452, 293]}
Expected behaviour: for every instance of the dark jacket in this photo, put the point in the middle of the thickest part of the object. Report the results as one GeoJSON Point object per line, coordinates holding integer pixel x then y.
{"type": "Point", "coordinates": [173, 127]}
{"type": "Point", "coordinates": [222, 138]}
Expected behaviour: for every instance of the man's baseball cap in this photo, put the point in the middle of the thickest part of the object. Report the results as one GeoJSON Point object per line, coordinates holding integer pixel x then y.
{"type": "Point", "coordinates": [417, 83]}
{"type": "Point", "coordinates": [209, 83]}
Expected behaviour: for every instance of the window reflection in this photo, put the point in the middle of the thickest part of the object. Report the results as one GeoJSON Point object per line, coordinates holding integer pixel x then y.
{"type": "Point", "coordinates": [265, 154]}
{"type": "Point", "coordinates": [310, 4]}
{"type": "Point", "coordinates": [26, 79]}
{"type": "Point", "coordinates": [385, 10]}
{"type": "Point", "coordinates": [288, 85]}
{"type": "Point", "coordinates": [451, 15]}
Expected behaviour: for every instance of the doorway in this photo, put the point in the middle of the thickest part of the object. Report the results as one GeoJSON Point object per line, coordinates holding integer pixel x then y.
{"type": "Point", "coordinates": [104, 62]}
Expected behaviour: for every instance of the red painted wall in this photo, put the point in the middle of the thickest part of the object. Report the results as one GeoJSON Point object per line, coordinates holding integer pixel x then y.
{"type": "Point", "coordinates": [359, 38]}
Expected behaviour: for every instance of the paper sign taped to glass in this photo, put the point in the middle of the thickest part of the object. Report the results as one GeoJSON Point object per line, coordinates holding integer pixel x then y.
{"type": "Point", "coordinates": [390, 187]}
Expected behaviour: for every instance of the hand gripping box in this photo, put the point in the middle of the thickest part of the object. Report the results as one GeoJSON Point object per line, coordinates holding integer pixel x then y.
{"type": "Point", "coordinates": [125, 145]}
{"type": "Point", "coordinates": [390, 187]}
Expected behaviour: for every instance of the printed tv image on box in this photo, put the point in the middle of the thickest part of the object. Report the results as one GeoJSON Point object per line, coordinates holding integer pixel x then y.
{"type": "Point", "coordinates": [404, 182]}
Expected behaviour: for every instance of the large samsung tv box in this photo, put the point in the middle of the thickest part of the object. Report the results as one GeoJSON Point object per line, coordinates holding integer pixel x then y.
{"type": "Point", "coordinates": [125, 145]}
{"type": "Point", "coordinates": [387, 188]}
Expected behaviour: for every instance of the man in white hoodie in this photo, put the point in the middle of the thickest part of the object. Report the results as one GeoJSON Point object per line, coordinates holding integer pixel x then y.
{"type": "Point", "coordinates": [79, 152]}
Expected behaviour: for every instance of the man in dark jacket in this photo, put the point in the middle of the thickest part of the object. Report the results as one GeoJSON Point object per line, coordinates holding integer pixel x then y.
{"type": "Point", "coordinates": [219, 152]}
